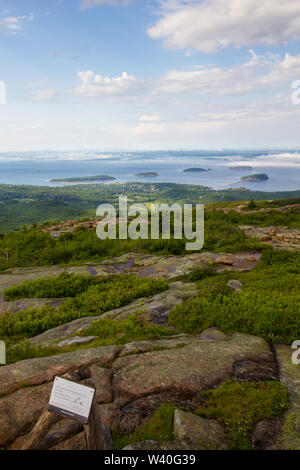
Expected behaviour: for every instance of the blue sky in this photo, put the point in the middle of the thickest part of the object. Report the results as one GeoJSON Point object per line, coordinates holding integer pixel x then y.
{"type": "Point", "coordinates": [138, 74]}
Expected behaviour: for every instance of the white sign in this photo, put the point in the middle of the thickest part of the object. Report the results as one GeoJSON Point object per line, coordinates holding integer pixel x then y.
{"type": "Point", "coordinates": [71, 399]}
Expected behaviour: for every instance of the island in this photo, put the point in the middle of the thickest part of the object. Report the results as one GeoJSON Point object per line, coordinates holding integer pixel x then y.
{"type": "Point", "coordinates": [196, 170]}
{"type": "Point", "coordinates": [147, 174]}
{"type": "Point", "coordinates": [83, 179]}
{"type": "Point", "coordinates": [241, 168]}
{"type": "Point", "coordinates": [258, 177]}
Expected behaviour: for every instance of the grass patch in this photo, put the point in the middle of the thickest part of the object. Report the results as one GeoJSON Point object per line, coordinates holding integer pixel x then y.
{"type": "Point", "coordinates": [159, 427]}
{"type": "Point", "coordinates": [238, 406]}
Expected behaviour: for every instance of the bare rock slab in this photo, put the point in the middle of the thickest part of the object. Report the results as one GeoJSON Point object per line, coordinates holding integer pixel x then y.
{"type": "Point", "coordinates": [190, 369]}
{"type": "Point", "coordinates": [39, 370]}
{"type": "Point", "coordinates": [78, 340]}
{"type": "Point", "coordinates": [204, 432]}
{"type": "Point", "coordinates": [170, 445]}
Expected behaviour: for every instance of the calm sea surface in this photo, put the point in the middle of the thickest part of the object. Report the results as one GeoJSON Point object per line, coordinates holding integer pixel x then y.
{"type": "Point", "coordinates": [283, 168]}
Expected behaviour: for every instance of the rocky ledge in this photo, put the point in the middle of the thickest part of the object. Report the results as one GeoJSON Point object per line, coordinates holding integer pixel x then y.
{"type": "Point", "coordinates": [133, 380]}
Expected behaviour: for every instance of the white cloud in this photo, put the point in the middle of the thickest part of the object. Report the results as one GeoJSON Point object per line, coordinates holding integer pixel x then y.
{"type": "Point", "coordinates": [94, 3]}
{"type": "Point", "coordinates": [13, 24]}
{"type": "Point", "coordinates": [48, 94]}
{"type": "Point", "coordinates": [258, 74]}
{"type": "Point", "coordinates": [150, 118]}
{"type": "Point", "coordinates": [94, 85]}
{"type": "Point", "coordinates": [210, 25]}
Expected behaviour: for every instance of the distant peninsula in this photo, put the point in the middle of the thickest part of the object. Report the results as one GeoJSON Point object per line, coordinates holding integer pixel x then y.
{"type": "Point", "coordinates": [83, 179]}
{"type": "Point", "coordinates": [241, 168]}
{"type": "Point", "coordinates": [147, 174]}
{"type": "Point", "coordinates": [195, 170]}
{"type": "Point", "coordinates": [258, 177]}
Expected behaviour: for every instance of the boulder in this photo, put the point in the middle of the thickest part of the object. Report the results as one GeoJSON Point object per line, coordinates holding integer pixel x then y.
{"type": "Point", "coordinates": [225, 259]}
{"type": "Point", "coordinates": [235, 284]}
{"type": "Point", "coordinates": [212, 334]}
{"type": "Point", "coordinates": [204, 432]}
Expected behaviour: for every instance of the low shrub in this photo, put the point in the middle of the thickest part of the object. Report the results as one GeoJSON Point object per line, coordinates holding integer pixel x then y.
{"type": "Point", "coordinates": [64, 285]}
{"type": "Point", "coordinates": [133, 328]}
{"type": "Point", "coordinates": [110, 293]}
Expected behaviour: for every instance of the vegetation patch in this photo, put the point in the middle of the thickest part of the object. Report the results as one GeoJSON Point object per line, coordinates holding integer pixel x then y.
{"type": "Point", "coordinates": [238, 406]}
{"type": "Point", "coordinates": [268, 306]}
{"type": "Point", "coordinates": [112, 292]}
{"type": "Point", "coordinates": [159, 427]}
{"type": "Point", "coordinates": [109, 332]}
{"type": "Point", "coordinates": [64, 285]}
{"type": "Point", "coordinates": [134, 328]}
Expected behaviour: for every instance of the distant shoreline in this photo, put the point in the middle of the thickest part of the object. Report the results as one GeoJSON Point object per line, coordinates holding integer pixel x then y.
{"type": "Point", "coordinates": [84, 179]}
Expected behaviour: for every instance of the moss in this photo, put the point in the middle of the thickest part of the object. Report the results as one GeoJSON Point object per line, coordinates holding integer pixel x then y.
{"type": "Point", "coordinates": [238, 406]}
{"type": "Point", "coordinates": [159, 427]}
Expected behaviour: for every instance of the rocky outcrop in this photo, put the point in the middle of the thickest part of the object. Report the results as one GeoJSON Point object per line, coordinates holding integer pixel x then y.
{"type": "Point", "coordinates": [44, 369]}
{"type": "Point", "coordinates": [131, 383]}
{"type": "Point", "coordinates": [278, 237]}
{"type": "Point", "coordinates": [167, 267]}
{"type": "Point", "coordinates": [194, 429]}
{"type": "Point", "coordinates": [197, 366]}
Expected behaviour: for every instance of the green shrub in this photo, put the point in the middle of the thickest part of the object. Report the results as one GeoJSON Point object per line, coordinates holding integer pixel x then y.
{"type": "Point", "coordinates": [238, 406]}
{"type": "Point", "coordinates": [112, 292]}
{"type": "Point", "coordinates": [26, 350]}
{"type": "Point", "coordinates": [201, 272]}
{"type": "Point", "coordinates": [275, 318]}
{"type": "Point", "coordinates": [64, 285]}
{"type": "Point", "coordinates": [268, 305]}
{"type": "Point", "coordinates": [133, 328]}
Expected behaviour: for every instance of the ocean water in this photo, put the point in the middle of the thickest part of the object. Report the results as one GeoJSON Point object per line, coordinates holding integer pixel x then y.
{"type": "Point", "coordinates": [282, 167]}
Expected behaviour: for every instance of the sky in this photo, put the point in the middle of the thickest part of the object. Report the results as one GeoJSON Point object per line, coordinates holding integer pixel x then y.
{"type": "Point", "coordinates": [146, 75]}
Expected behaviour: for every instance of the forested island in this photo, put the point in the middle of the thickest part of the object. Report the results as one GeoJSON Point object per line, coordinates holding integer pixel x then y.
{"type": "Point", "coordinates": [83, 179]}
{"type": "Point", "coordinates": [258, 177]}
{"type": "Point", "coordinates": [241, 168]}
{"type": "Point", "coordinates": [195, 170]}
{"type": "Point", "coordinates": [147, 174]}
